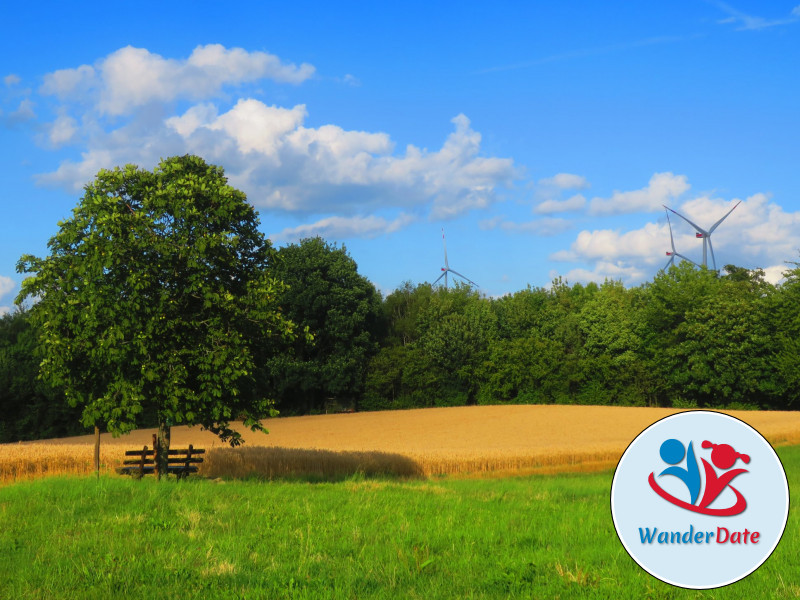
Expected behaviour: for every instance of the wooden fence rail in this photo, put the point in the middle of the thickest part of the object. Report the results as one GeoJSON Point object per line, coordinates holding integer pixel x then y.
{"type": "Point", "coordinates": [180, 462]}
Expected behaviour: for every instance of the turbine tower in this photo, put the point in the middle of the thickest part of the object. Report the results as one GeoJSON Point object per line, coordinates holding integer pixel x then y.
{"type": "Point", "coordinates": [706, 234]}
{"type": "Point", "coordinates": [446, 268]}
{"type": "Point", "coordinates": [674, 252]}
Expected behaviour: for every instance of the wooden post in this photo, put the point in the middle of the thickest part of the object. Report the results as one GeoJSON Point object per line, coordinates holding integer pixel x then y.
{"type": "Point", "coordinates": [97, 451]}
{"type": "Point", "coordinates": [141, 463]}
{"type": "Point", "coordinates": [156, 454]}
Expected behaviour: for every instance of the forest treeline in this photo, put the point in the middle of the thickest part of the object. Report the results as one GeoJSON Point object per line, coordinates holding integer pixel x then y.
{"type": "Point", "coordinates": [688, 338]}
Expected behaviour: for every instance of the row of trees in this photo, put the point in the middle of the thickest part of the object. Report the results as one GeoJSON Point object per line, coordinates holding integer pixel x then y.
{"type": "Point", "coordinates": [162, 304]}
{"type": "Point", "coordinates": [688, 338]}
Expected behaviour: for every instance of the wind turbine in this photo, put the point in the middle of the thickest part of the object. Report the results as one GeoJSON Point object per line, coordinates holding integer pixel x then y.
{"type": "Point", "coordinates": [446, 268]}
{"type": "Point", "coordinates": [706, 234]}
{"type": "Point", "coordinates": [674, 252]}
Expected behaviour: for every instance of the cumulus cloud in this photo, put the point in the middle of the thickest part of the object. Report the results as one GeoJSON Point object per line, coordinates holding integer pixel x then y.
{"type": "Point", "coordinates": [572, 204]}
{"type": "Point", "coordinates": [542, 227]}
{"type": "Point", "coordinates": [774, 274]}
{"type": "Point", "coordinates": [6, 285]}
{"type": "Point", "coordinates": [61, 131]}
{"type": "Point", "coordinates": [337, 228]}
{"type": "Point", "coordinates": [11, 79]}
{"type": "Point", "coordinates": [604, 270]}
{"type": "Point", "coordinates": [269, 153]}
{"type": "Point", "coordinates": [565, 181]}
{"type": "Point", "coordinates": [23, 113]}
{"type": "Point", "coordinates": [662, 189]}
{"type": "Point", "coordinates": [758, 234]}
{"type": "Point", "coordinates": [612, 245]}
{"type": "Point", "coordinates": [132, 77]}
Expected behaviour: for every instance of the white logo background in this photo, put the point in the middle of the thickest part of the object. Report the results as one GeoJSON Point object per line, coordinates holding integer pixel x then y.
{"type": "Point", "coordinates": [635, 505]}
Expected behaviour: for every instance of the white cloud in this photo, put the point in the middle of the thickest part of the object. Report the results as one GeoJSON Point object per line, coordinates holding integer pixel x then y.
{"type": "Point", "coordinates": [774, 274]}
{"type": "Point", "coordinates": [11, 79]}
{"type": "Point", "coordinates": [543, 227]}
{"type": "Point", "coordinates": [132, 77]}
{"type": "Point", "coordinates": [61, 131]}
{"type": "Point", "coordinates": [351, 80]}
{"type": "Point", "coordinates": [758, 234]}
{"type": "Point", "coordinates": [618, 271]}
{"type": "Point", "coordinates": [337, 228]}
{"type": "Point", "coordinates": [751, 22]}
{"type": "Point", "coordinates": [24, 112]}
{"type": "Point", "coordinates": [612, 245]}
{"type": "Point", "coordinates": [6, 285]}
{"type": "Point", "coordinates": [572, 204]}
{"type": "Point", "coordinates": [662, 188]}
{"type": "Point", "coordinates": [4, 310]}
{"type": "Point", "coordinates": [565, 181]}
{"type": "Point", "coordinates": [281, 164]}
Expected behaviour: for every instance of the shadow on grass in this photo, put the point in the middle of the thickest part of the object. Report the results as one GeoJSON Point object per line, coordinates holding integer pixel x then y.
{"type": "Point", "coordinates": [305, 465]}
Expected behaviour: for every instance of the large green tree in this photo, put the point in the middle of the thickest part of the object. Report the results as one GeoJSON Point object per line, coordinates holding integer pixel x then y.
{"type": "Point", "coordinates": [156, 301]}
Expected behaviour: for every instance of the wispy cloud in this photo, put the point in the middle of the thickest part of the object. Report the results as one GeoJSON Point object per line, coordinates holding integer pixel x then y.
{"type": "Point", "coordinates": [747, 22]}
{"type": "Point", "coordinates": [587, 52]}
{"type": "Point", "coordinates": [542, 227]}
{"type": "Point", "coordinates": [338, 228]}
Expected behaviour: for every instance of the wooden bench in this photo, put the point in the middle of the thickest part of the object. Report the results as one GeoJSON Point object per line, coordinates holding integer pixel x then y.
{"type": "Point", "coordinates": [180, 462]}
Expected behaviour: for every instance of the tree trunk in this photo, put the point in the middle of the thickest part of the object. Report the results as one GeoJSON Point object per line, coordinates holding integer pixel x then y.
{"type": "Point", "coordinates": [162, 449]}
{"type": "Point", "coordinates": [97, 451]}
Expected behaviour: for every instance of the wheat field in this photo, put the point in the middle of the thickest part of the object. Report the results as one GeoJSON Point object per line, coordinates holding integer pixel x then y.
{"type": "Point", "coordinates": [474, 441]}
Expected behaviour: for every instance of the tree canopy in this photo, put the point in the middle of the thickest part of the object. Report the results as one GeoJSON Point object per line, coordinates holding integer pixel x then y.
{"type": "Point", "coordinates": [326, 295]}
{"type": "Point", "coordinates": [156, 301]}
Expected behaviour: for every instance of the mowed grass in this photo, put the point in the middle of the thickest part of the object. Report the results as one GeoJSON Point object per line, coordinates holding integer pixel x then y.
{"type": "Point", "coordinates": [423, 442]}
{"type": "Point", "coordinates": [543, 536]}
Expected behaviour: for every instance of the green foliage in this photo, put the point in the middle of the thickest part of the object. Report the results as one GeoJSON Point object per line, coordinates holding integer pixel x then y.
{"type": "Point", "coordinates": [689, 338]}
{"type": "Point", "coordinates": [326, 296]}
{"type": "Point", "coordinates": [29, 409]}
{"type": "Point", "coordinates": [157, 299]}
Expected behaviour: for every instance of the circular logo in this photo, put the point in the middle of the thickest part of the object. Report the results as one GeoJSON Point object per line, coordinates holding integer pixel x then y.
{"type": "Point", "coordinates": [699, 499]}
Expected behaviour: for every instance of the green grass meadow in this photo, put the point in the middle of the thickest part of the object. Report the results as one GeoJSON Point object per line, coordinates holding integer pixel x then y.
{"type": "Point", "coordinates": [527, 537]}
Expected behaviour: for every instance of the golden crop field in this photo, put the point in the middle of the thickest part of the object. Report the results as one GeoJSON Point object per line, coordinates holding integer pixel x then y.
{"type": "Point", "coordinates": [424, 442]}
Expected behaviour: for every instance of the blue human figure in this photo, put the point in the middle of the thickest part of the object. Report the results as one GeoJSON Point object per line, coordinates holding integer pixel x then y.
{"type": "Point", "coordinates": [672, 452]}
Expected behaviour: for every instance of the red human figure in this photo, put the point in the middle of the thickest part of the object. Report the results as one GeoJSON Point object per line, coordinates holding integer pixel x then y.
{"type": "Point", "coordinates": [724, 457]}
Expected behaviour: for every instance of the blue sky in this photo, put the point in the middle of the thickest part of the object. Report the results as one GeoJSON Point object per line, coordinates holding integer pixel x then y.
{"type": "Point", "coordinates": [543, 137]}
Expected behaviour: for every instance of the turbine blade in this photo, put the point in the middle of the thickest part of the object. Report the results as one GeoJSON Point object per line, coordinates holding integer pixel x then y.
{"type": "Point", "coordinates": [444, 243]}
{"type": "Point", "coordinates": [715, 225]}
{"type": "Point", "coordinates": [700, 230]}
{"type": "Point", "coordinates": [462, 277]}
{"type": "Point", "coordinates": [687, 259]}
{"type": "Point", "coordinates": [713, 260]}
{"type": "Point", "coordinates": [671, 240]}
{"type": "Point", "coordinates": [669, 262]}
{"type": "Point", "coordinates": [439, 277]}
